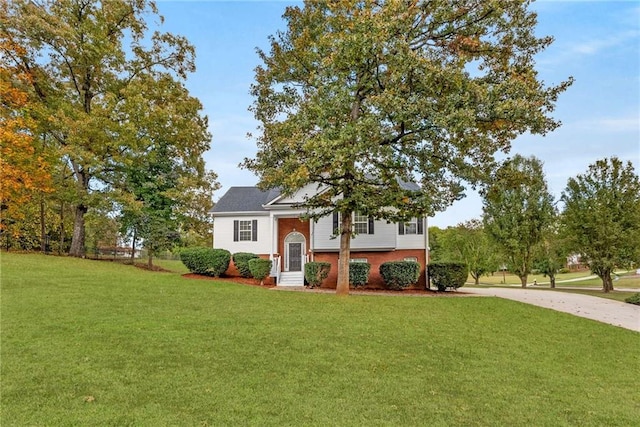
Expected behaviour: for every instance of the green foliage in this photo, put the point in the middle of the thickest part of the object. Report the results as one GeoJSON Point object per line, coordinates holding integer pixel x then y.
{"type": "Point", "coordinates": [398, 275]}
{"type": "Point", "coordinates": [316, 272]}
{"type": "Point", "coordinates": [359, 273]}
{"type": "Point", "coordinates": [259, 268]}
{"type": "Point", "coordinates": [207, 261]}
{"type": "Point", "coordinates": [564, 270]}
{"type": "Point", "coordinates": [602, 216]}
{"type": "Point", "coordinates": [108, 93]}
{"type": "Point", "coordinates": [634, 299]}
{"type": "Point", "coordinates": [448, 275]}
{"type": "Point", "coordinates": [517, 209]}
{"type": "Point", "coordinates": [241, 261]}
{"type": "Point", "coordinates": [355, 96]}
{"type": "Point", "coordinates": [468, 243]}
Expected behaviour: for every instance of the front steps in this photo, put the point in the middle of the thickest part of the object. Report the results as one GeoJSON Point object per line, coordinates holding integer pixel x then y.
{"type": "Point", "coordinates": [291, 278]}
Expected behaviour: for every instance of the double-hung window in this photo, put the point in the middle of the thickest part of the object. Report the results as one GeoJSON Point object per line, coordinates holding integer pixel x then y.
{"type": "Point", "coordinates": [245, 230]}
{"type": "Point", "coordinates": [413, 226]}
{"type": "Point", "coordinates": [361, 224]}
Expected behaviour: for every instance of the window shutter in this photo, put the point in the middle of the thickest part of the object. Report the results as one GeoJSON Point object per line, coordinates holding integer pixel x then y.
{"type": "Point", "coordinates": [420, 225]}
{"type": "Point", "coordinates": [254, 230]}
{"type": "Point", "coordinates": [335, 223]}
{"type": "Point", "coordinates": [235, 230]}
{"type": "Point", "coordinates": [401, 228]}
{"type": "Point", "coordinates": [370, 225]}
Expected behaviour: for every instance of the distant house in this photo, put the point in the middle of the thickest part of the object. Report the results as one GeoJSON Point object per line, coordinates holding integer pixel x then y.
{"type": "Point", "coordinates": [267, 223]}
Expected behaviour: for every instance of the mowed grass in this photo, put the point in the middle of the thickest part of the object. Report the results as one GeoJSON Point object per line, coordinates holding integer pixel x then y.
{"type": "Point", "coordinates": [97, 343]}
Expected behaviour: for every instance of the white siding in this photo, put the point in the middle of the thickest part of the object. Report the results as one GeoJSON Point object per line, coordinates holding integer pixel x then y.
{"type": "Point", "coordinates": [223, 235]}
{"type": "Point", "coordinates": [411, 241]}
{"type": "Point", "coordinates": [384, 236]}
{"type": "Point", "coordinates": [300, 195]}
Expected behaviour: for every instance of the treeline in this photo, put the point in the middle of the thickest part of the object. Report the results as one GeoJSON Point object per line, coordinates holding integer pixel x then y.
{"type": "Point", "coordinates": [523, 228]}
{"type": "Point", "coordinates": [99, 136]}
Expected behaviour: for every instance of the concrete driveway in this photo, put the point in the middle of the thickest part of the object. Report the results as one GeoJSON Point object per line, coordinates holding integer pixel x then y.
{"type": "Point", "coordinates": [601, 309]}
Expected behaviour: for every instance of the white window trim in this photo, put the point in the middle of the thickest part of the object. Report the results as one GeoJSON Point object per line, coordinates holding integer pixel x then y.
{"type": "Point", "coordinates": [244, 227]}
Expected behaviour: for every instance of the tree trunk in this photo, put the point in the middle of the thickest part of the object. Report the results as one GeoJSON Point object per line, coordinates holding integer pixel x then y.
{"type": "Point", "coordinates": [342, 287]}
{"type": "Point", "coordinates": [133, 246]}
{"type": "Point", "coordinates": [607, 281]}
{"type": "Point", "coordinates": [523, 281]}
{"type": "Point", "coordinates": [150, 262]}
{"type": "Point", "coordinates": [552, 280]}
{"type": "Point", "coordinates": [43, 230]}
{"type": "Point", "coordinates": [61, 228]}
{"type": "Point", "coordinates": [77, 241]}
{"type": "Point", "coordinates": [476, 278]}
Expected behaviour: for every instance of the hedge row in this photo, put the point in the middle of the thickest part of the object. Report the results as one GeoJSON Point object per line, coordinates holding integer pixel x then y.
{"type": "Point", "coordinates": [206, 261]}
{"type": "Point", "coordinates": [448, 275]}
{"type": "Point", "coordinates": [241, 261]}
{"type": "Point", "coordinates": [316, 272]}
{"type": "Point", "coordinates": [259, 268]}
{"type": "Point", "coordinates": [398, 275]}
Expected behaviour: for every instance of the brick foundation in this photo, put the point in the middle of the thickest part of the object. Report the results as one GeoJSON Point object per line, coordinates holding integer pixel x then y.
{"type": "Point", "coordinates": [375, 259]}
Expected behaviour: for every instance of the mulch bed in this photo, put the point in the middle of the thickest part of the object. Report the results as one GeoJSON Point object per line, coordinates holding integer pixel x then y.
{"type": "Point", "coordinates": [361, 291]}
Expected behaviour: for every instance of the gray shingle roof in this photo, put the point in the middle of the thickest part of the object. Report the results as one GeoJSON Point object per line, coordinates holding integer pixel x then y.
{"type": "Point", "coordinates": [244, 199]}
{"type": "Point", "coordinates": [251, 199]}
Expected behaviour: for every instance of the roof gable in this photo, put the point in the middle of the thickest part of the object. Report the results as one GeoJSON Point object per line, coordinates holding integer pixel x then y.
{"type": "Point", "coordinates": [244, 199]}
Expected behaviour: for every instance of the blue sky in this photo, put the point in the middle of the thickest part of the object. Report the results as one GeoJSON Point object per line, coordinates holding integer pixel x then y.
{"type": "Point", "coordinates": [596, 42]}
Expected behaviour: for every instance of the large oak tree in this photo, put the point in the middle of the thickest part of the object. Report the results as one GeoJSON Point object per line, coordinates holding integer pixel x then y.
{"type": "Point", "coordinates": [85, 56]}
{"type": "Point", "coordinates": [358, 96]}
{"type": "Point", "coordinates": [602, 217]}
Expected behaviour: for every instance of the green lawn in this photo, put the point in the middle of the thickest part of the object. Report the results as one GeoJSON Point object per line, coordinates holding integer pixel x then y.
{"type": "Point", "coordinates": [98, 343]}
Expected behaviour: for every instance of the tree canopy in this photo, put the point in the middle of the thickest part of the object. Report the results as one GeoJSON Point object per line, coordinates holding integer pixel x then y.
{"type": "Point", "coordinates": [360, 96]}
{"type": "Point", "coordinates": [106, 88]}
{"type": "Point", "coordinates": [602, 217]}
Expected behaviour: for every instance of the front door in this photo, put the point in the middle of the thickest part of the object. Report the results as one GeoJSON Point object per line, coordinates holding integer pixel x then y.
{"type": "Point", "coordinates": [295, 256]}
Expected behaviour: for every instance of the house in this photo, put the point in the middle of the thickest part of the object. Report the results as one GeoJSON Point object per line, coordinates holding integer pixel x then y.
{"type": "Point", "coordinates": [268, 223]}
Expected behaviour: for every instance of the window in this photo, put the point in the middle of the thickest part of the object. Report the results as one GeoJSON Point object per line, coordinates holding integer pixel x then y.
{"type": "Point", "coordinates": [358, 260]}
{"type": "Point", "coordinates": [360, 224]}
{"type": "Point", "coordinates": [245, 230]}
{"type": "Point", "coordinates": [414, 226]}
{"type": "Point", "coordinates": [411, 258]}
{"type": "Point", "coordinates": [411, 227]}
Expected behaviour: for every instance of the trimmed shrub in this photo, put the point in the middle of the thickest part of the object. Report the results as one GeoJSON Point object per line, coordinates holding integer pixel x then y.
{"type": "Point", "coordinates": [260, 268]}
{"type": "Point", "coordinates": [564, 271]}
{"type": "Point", "coordinates": [359, 273]}
{"type": "Point", "coordinates": [448, 275]}
{"type": "Point", "coordinates": [316, 272]}
{"type": "Point", "coordinates": [207, 261]}
{"type": "Point", "coordinates": [633, 299]}
{"type": "Point", "coordinates": [398, 275]}
{"type": "Point", "coordinates": [241, 261]}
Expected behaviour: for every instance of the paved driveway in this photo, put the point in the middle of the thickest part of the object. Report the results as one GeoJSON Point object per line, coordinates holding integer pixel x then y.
{"type": "Point", "coordinates": [601, 309]}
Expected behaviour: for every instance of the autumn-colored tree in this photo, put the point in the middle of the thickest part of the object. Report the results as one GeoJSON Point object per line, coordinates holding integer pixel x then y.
{"type": "Point", "coordinates": [360, 96]}
{"type": "Point", "coordinates": [84, 58]}
{"type": "Point", "coordinates": [23, 168]}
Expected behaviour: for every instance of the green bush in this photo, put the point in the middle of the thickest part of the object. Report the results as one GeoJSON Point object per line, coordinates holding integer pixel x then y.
{"type": "Point", "coordinates": [207, 261]}
{"type": "Point", "coordinates": [398, 275]}
{"type": "Point", "coordinates": [564, 271]}
{"type": "Point", "coordinates": [359, 273]}
{"type": "Point", "coordinates": [241, 261]}
{"type": "Point", "coordinates": [448, 275]}
{"type": "Point", "coordinates": [316, 272]}
{"type": "Point", "coordinates": [633, 299]}
{"type": "Point", "coordinates": [260, 268]}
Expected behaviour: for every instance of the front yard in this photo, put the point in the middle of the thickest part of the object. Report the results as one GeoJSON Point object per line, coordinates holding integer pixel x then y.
{"type": "Point", "coordinates": [96, 343]}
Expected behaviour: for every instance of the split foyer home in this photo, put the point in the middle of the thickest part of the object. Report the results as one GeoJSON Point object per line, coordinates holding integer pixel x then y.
{"type": "Point", "coordinates": [267, 223]}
